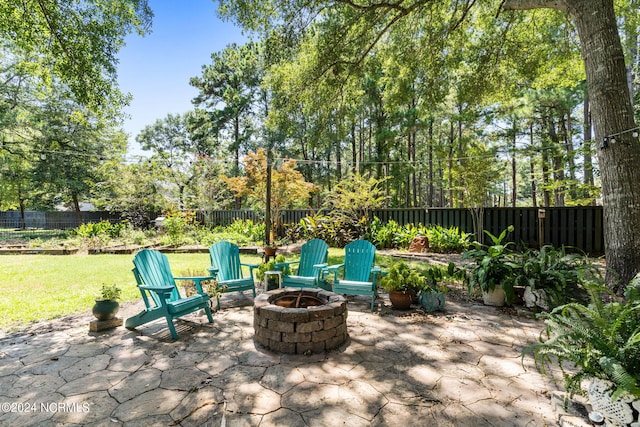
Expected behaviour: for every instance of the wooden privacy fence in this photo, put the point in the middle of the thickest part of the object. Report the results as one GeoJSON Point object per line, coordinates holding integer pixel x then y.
{"type": "Point", "coordinates": [580, 227]}
{"type": "Point", "coordinates": [53, 220]}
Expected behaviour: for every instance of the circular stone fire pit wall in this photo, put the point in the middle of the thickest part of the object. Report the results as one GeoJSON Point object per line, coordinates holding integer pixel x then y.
{"type": "Point", "coordinates": [313, 329]}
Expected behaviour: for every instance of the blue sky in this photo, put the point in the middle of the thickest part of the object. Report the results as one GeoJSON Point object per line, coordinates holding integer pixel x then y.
{"type": "Point", "coordinates": [156, 68]}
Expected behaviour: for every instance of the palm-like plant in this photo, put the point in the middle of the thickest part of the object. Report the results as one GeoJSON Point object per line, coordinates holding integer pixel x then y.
{"type": "Point", "coordinates": [493, 264]}
{"type": "Point", "coordinates": [601, 340]}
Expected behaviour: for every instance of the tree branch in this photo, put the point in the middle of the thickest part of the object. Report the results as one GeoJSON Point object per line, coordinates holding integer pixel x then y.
{"type": "Point", "coordinates": [534, 4]}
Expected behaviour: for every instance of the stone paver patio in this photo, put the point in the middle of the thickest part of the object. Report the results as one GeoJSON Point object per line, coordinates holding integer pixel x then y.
{"type": "Point", "coordinates": [461, 367]}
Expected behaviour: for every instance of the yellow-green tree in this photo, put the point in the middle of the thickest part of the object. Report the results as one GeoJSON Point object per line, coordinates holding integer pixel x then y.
{"type": "Point", "coordinates": [289, 190]}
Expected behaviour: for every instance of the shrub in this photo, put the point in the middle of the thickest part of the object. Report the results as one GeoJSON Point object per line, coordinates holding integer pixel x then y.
{"type": "Point", "coordinates": [555, 271]}
{"type": "Point", "coordinates": [601, 340]}
{"type": "Point", "coordinates": [102, 228]}
{"type": "Point", "coordinates": [177, 224]}
{"type": "Point", "coordinates": [447, 240]}
{"type": "Point", "coordinates": [250, 230]}
{"type": "Point", "coordinates": [394, 235]}
{"type": "Point", "coordinates": [337, 229]}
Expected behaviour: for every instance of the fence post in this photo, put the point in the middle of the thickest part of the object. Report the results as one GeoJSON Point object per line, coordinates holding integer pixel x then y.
{"type": "Point", "coordinates": [541, 216]}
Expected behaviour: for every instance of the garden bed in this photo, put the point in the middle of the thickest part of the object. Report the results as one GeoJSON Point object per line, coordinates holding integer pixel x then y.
{"type": "Point", "coordinates": [38, 251]}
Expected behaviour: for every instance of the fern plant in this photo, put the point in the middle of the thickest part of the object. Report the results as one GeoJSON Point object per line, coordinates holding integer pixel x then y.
{"type": "Point", "coordinates": [555, 271]}
{"type": "Point", "coordinates": [600, 340]}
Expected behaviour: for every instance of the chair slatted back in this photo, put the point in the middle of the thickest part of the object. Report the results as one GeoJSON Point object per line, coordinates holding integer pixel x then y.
{"type": "Point", "coordinates": [152, 268]}
{"type": "Point", "coordinates": [358, 260]}
{"type": "Point", "coordinates": [226, 257]}
{"type": "Point", "coordinates": [312, 253]}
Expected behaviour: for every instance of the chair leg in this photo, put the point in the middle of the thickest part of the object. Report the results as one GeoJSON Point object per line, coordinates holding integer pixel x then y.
{"type": "Point", "coordinates": [208, 311]}
{"type": "Point", "coordinates": [172, 328]}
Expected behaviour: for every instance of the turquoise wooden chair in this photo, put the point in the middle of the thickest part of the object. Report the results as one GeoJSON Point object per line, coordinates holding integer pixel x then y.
{"type": "Point", "coordinates": [225, 259]}
{"type": "Point", "coordinates": [359, 275]}
{"type": "Point", "coordinates": [160, 293]}
{"type": "Point", "coordinates": [313, 259]}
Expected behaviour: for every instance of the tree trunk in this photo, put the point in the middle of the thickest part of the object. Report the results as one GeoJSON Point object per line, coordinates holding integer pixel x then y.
{"type": "Point", "coordinates": [514, 182]}
{"type": "Point", "coordinates": [430, 196]}
{"type": "Point", "coordinates": [567, 133]}
{"type": "Point", "coordinates": [612, 115]}
{"type": "Point", "coordinates": [586, 149]}
{"type": "Point", "coordinates": [534, 195]}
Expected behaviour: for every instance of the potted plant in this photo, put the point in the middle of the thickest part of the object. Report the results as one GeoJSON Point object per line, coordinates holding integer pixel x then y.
{"type": "Point", "coordinates": [106, 302]}
{"type": "Point", "coordinates": [402, 283]}
{"type": "Point", "coordinates": [432, 294]}
{"type": "Point", "coordinates": [491, 270]}
{"type": "Point", "coordinates": [270, 266]}
{"type": "Point", "coordinates": [601, 342]}
{"type": "Point", "coordinates": [551, 277]}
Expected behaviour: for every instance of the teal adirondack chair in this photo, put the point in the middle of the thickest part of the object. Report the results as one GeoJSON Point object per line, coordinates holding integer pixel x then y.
{"type": "Point", "coordinates": [358, 272]}
{"type": "Point", "coordinates": [225, 258]}
{"type": "Point", "coordinates": [313, 259]}
{"type": "Point", "coordinates": [160, 293]}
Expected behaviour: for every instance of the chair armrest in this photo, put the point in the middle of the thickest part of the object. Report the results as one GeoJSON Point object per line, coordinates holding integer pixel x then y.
{"type": "Point", "coordinates": [158, 289]}
{"type": "Point", "coordinates": [196, 278]}
{"type": "Point", "coordinates": [331, 268]}
{"type": "Point", "coordinates": [378, 270]}
{"type": "Point", "coordinates": [285, 264]}
{"type": "Point", "coordinates": [251, 268]}
{"type": "Point", "coordinates": [198, 281]}
{"type": "Point", "coordinates": [213, 271]}
{"type": "Point", "coordinates": [164, 292]}
{"type": "Point", "coordinates": [375, 271]}
{"type": "Point", "coordinates": [285, 267]}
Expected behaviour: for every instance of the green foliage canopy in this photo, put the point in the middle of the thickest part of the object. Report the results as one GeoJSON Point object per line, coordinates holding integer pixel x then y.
{"type": "Point", "coordinates": [76, 41]}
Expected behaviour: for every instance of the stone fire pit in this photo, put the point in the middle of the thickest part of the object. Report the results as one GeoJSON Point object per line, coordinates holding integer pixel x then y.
{"type": "Point", "coordinates": [300, 321]}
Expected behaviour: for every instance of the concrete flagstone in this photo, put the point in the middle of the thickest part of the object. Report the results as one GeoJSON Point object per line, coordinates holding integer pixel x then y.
{"type": "Point", "coordinates": [460, 367]}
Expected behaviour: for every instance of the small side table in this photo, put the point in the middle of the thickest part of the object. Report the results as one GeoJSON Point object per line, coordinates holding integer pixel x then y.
{"type": "Point", "coordinates": [272, 275]}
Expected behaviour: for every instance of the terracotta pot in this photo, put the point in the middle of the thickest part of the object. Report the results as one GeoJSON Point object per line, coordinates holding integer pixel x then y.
{"type": "Point", "coordinates": [270, 251]}
{"type": "Point", "coordinates": [400, 300]}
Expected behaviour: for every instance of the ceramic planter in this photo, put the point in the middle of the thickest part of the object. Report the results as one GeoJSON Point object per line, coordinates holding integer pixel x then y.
{"type": "Point", "coordinates": [431, 301]}
{"type": "Point", "coordinates": [495, 297]}
{"type": "Point", "coordinates": [105, 309]}
{"type": "Point", "coordinates": [620, 412]}
{"type": "Point", "coordinates": [536, 298]}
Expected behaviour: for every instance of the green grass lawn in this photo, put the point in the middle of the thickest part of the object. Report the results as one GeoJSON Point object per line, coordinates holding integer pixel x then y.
{"type": "Point", "coordinates": [42, 287]}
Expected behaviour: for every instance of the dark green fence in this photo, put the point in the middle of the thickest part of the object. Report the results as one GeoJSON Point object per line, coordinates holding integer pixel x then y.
{"type": "Point", "coordinates": [580, 227]}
